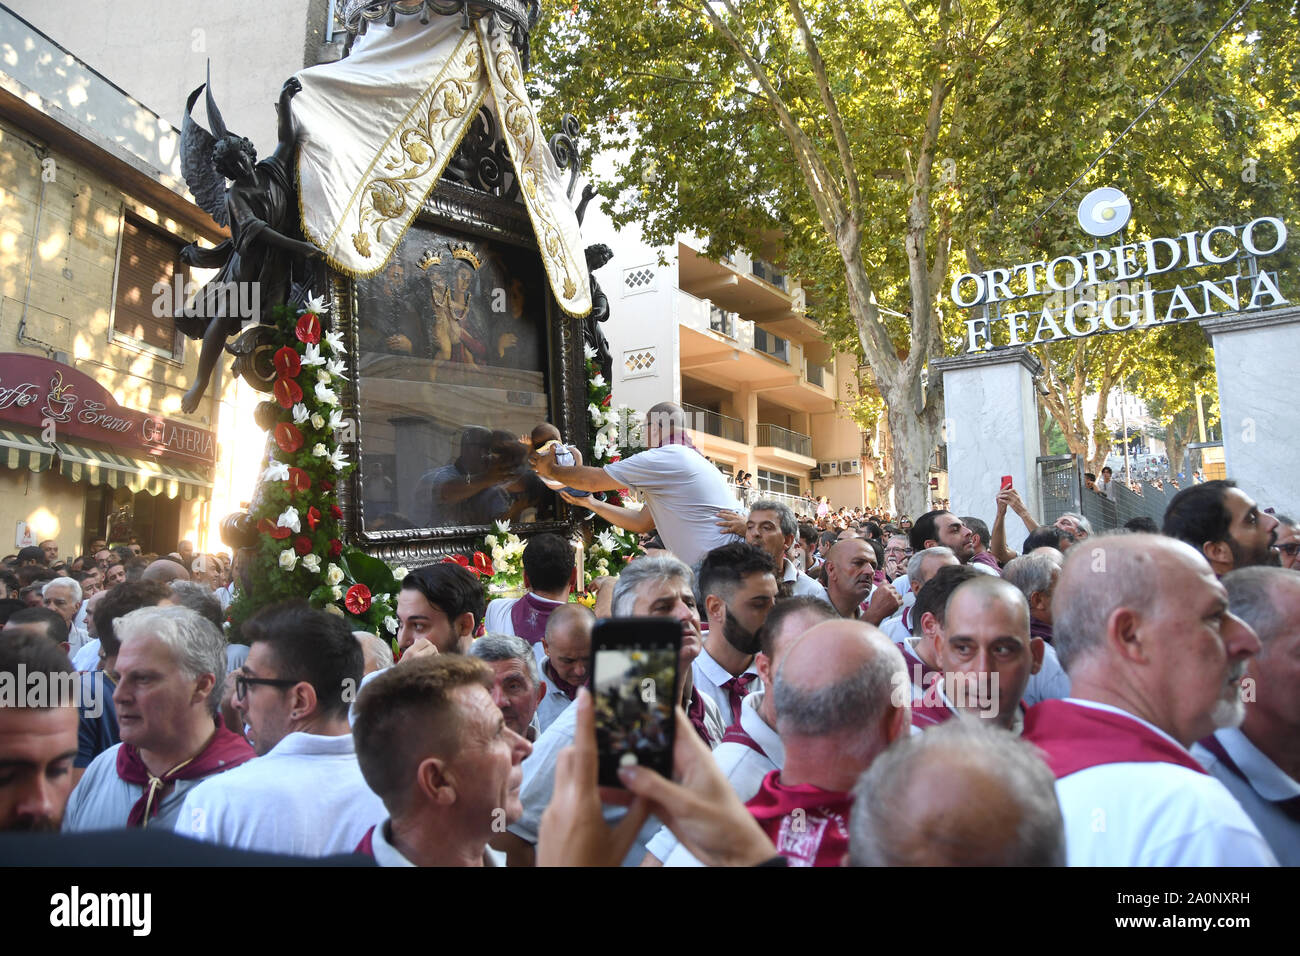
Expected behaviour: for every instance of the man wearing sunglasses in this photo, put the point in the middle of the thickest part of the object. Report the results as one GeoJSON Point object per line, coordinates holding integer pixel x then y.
{"type": "Point", "coordinates": [304, 794]}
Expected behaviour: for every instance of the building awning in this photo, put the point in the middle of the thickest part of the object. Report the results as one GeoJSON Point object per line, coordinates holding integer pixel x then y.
{"type": "Point", "coordinates": [24, 451]}
{"type": "Point", "coordinates": [98, 467]}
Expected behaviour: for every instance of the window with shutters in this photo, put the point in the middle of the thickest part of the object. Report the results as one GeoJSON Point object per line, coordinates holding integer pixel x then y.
{"type": "Point", "coordinates": [149, 256]}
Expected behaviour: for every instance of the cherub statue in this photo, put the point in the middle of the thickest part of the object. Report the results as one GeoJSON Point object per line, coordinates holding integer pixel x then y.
{"type": "Point", "coordinates": [261, 209]}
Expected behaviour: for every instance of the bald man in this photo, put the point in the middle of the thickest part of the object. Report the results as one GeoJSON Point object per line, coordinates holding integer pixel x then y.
{"type": "Point", "coordinates": [566, 648]}
{"type": "Point", "coordinates": [164, 571]}
{"type": "Point", "coordinates": [964, 794]}
{"type": "Point", "coordinates": [850, 570]}
{"type": "Point", "coordinates": [752, 748]}
{"type": "Point", "coordinates": [986, 653]}
{"type": "Point", "coordinates": [1155, 660]}
{"type": "Point", "coordinates": [836, 709]}
{"type": "Point", "coordinates": [682, 491]}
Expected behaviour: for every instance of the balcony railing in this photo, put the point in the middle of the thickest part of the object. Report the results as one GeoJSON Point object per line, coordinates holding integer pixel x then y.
{"type": "Point", "coordinates": [814, 374]}
{"type": "Point", "coordinates": [714, 423]}
{"type": "Point", "coordinates": [722, 322]}
{"type": "Point", "coordinates": [800, 505]}
{"type": "Point", "coordinates": [773, 345]}
{"type": "Point", "coordinates": [767, 272]}
{"type": "Point", "coordinates": [777, 437]}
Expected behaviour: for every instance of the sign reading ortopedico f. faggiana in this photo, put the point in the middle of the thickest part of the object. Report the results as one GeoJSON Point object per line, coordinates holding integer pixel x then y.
{"type": "Point", "coordinates": [1109, 289]}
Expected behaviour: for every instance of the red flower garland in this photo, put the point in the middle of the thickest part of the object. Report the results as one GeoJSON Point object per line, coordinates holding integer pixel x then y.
{"type": "Point", "coordinates": [299, 480]}
{"type": "Point", "coordinates": [288, 437]}
{"type": "Point", "coordinates": [287, 362]}
{"type": "Point", "coordinates": [313, 517]}
{"type": "Point", "coordinates": [287, 392]}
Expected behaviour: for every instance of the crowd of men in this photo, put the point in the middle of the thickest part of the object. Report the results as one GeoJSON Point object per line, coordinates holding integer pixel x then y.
{"type": "Point", "coordinates": [881, 693]}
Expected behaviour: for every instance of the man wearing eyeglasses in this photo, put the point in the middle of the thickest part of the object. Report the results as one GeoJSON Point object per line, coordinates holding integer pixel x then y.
{"type": "Point", "coordinates": [304, 794]}
{"type": "Point", "coordinates": [1288, 543]}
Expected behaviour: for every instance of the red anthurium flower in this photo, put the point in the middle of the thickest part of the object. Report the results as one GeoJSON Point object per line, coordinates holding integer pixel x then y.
{"type": "Point", "coordinates": [357, 600]}
{"type": "Point", "coordinates": [288, 437]}
{"type": "Point", "coordinates": [336, 547]}
{"type": "Point", "coordinates": [287, 362]}
{"type": "Point", "coordinates": [456, 559]}
{"type": "Point", "coordinates": [482, 565]}
{"type": "Point", "coordinates": [299, 480]}
{"type": "Point", "coordinates": [267, 526]}
{"type": "Point", "coordinates": [308, 328]}
{"type": "Point", "coordinates": [605, 403]}
{"type": "Point", "coordinates": [287, 392]}
{"type": "Point", "coordinates": [313, 517]}
{"type": "Point", "coordinates": [336, 512]}
{"type": "Point", "coordinates": [302, 544]}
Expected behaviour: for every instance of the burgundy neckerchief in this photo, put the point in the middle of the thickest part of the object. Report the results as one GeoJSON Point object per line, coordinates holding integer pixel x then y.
{"type": "Point", "coordinates": [367, 845]}
{"type": "Point", "coordinates": [1075, 737]}
{"type": "Point", "coordinates": [529, 616]}
{"type": "Point", "coordinates": [737, 689]}
{"type": "Point", "coordinates": [818, 835]}
{"type": "Point", "coordinates": [1041, 629]}
{"type": "Point", "coordinates": [1290, 806]}
{"type": "Point", "coordinates": [696, 714]}
{"type": "Point", "coordinates": [559, 683]}
{"type": "Point", "coordinates": [680, 438]}
{"type": "Point", "coordinates": [736, 735]}
{"type": "Point", "coordinates": [224, 751]}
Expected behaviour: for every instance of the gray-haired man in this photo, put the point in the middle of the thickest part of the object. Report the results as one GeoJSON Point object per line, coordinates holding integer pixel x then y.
{"type": "Point", "coordinates": [517, 686]}
{"type": "Point", "coordinates": [171, 666]}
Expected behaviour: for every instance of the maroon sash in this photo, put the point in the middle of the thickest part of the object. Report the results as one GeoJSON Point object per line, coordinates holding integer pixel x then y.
{"type": "Point", "coordinates": [1074, 738]}
{"type": "Point", "coordinates": [559, 683]}
{"type": "Point", "coordinates": [736, 735]}
{"type": "Point", "coordinates": [695, 711]}
{"type": "Point", "coordinates": [225, 751]}
{"type": "Point", "coordinates": [367, 845]}
{"type": "Point", "coordinates": [529, 615]}
{"type": "Point", "coordinates": [818, 836]}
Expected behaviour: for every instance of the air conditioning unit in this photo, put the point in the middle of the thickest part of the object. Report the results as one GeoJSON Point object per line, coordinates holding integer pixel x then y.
{"type": "Point", "coordinates": [829, 469]}
{"type": "Point", "coordinates": [853, 467]}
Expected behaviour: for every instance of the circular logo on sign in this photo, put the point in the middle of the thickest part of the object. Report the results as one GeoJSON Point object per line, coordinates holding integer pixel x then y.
{"type": "Point", "coordinates": [1104, 211]}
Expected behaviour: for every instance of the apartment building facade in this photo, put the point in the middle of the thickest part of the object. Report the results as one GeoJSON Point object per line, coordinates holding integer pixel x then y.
{"type": "Point", "coordinates": [732, 343]}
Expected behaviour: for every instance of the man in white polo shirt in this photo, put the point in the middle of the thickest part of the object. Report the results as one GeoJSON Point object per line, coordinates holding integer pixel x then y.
{"type": "Point", "coordinates": [304, 794]}
{"type": "Point", "coordinates": [1260, 761]}
{"type": "Point", "coordinates": [773, 527]}
{"type": "Point", "coordinates": [1155, 660]}
{"type": "Point", "coordinates": [682, 491]}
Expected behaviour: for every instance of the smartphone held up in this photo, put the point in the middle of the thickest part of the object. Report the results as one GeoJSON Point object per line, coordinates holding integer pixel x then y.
{"type": "Point", "coordinates": [634, 668]}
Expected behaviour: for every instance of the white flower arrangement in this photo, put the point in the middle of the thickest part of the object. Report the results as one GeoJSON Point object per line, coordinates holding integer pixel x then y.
{"type": "Point", "coordinates": [326, 395]}
{"type": "Point", "coordinates": [399, 574]}
{"type": "Point", "coordinates": [300, 413]}
{"type": "Point", "coordinates": [390, 623]}
{"type": "Point", "coordinates": [317, 304]}
{"type": "Point", "coordinates": [333, 574]}
{"type": "Point", "coordinates": [339, 458]}
{"type": "Point", "coordinates": [317, 421]}
{"type": "Point", "coordinates": [319, 450]}
{"type": "Point", "coordinates": [311, 356]}
{"type": "Point", "coordinates": [336, 592]}
{"type": "Point", "coordinates": [311, 562]}
{"type": "Point", "coordinates": [276, 471]}
{"type": "Point", "coordinates": [288, 559]}
{"type": "Point", "coordinates": [334, 340]}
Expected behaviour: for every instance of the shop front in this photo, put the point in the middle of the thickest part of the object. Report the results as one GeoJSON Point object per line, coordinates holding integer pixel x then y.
{"type": "Point", "coordinates": [76, 466]}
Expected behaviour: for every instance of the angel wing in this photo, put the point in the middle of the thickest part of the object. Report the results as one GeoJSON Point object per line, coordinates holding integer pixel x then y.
{"type": "Point", "coordinates": [207, 185]}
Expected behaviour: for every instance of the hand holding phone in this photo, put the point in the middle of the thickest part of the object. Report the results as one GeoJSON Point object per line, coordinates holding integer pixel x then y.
{"type": "Point", "coordinates": [634, 668]}
{"type": "Point", "coordinates": [1006, 482]}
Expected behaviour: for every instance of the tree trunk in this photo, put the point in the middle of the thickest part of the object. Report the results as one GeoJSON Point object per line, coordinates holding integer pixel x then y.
{"type": "Point", "coordinates": [913, 439]}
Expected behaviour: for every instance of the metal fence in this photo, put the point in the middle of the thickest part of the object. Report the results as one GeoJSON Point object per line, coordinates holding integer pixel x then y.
{"type": "Point", "coordinates": [714, 423]}
{"type": "Point", "coordinates": [1061, 489]}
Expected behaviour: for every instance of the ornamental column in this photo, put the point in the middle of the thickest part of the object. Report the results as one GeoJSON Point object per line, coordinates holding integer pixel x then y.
{"type": "Point", "coordinates": [991, 430]}
{"type": "Point", "coordinates": [1255, 356]}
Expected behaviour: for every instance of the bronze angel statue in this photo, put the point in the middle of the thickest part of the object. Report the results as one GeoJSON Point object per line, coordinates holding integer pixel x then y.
{"type": "Point", "coordinates": [265, 256]}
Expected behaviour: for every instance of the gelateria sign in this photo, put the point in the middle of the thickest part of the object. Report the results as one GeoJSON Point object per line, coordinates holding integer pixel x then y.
{"type": "Point", "coordinates": [61, 404]}
{"type": "Point", "coordinates": [1110, 288]}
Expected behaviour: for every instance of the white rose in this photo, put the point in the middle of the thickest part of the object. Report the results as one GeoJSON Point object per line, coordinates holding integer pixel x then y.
{"type": "Point", "coordinates": [318, 420]}
{"type": "Point", "coordinates": [335, 609]}
{"type": "Point", "coordinates": [288, 559]}
{"type": "Point", "coordinates": [337, 592]}
{"type": "Point", "coordinates": [289, 519]}
{"type": "Point", "coordinates": [400, 573]}
{"type": "Point", "coordinates": [311, 562]}
{"type": "Point", "coordinates": [391, 624]}
{"type": "Point", "coordinates": [324, 376]}
{"type": "Point", "coordinates": [333, 574]}
{"type": "Point", "coordinates": [320, 451]}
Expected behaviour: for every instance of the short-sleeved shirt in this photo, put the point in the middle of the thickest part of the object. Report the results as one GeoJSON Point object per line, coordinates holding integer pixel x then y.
{"type": "Point", "coordinates": [684, 494]}
{"type": "Point", "coordinates": [102, 800]}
